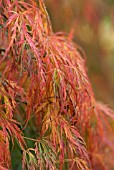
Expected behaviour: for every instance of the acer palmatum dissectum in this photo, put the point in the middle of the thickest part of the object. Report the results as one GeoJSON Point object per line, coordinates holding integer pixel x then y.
{"type": "Point", "coordinates": [44, 88]}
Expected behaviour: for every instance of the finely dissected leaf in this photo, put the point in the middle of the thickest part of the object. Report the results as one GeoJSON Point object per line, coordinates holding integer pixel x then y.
{"type": "Point", "coordinates": [46, 154]}
{"type": "Point", "coordinates": [30, 162]}
{"type": "Point", "coordinates": [4, 151]}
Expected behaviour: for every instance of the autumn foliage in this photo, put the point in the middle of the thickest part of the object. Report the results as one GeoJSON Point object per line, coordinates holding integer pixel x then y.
{"type": "Point", "coordinates": [49, 118]}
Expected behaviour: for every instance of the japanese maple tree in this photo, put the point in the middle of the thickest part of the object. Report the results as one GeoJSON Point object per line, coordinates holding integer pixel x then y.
{"type": "Point", "coordinates": [49, 118]}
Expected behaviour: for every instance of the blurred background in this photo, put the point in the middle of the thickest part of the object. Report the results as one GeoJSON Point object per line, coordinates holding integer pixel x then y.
{"type": "Point", "coordinates": [92, 24]}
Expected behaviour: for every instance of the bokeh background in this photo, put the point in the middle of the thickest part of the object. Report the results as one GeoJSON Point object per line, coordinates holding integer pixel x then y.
{"type": "Point", "coordinates": [91, 22]}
